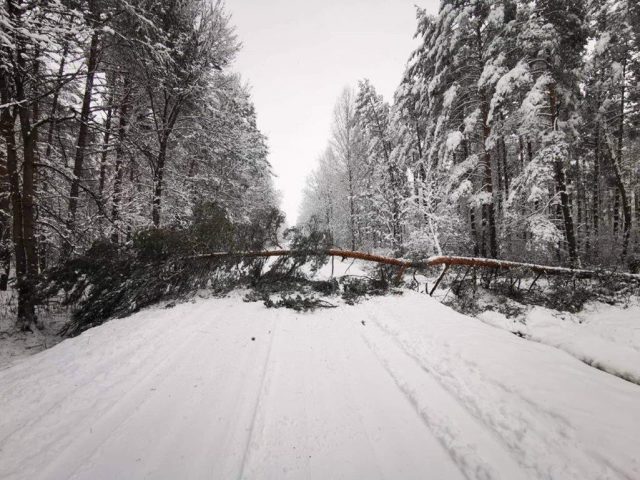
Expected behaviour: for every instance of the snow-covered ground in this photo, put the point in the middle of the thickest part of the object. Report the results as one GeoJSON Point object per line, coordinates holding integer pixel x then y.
{"type": "Point", "coordinates": [17, 345]}
{"type": "Point", "coordinates": [604, 336]}
{"type": "Point", "coordinates": [394, 387]}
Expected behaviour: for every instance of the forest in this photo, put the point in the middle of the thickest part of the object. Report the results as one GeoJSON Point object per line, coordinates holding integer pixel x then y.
{"type": "Point", "coordinates": [126, 134]}
{"type": "Point", "coordinates": [118, 118]}
{"type": "Point", "coordinates": [513, 134]}
{"type": "Point", "coordinates": [458, 298]}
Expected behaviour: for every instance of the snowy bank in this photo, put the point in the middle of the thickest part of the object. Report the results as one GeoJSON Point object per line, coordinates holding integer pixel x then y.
{"type": "Point", "coordinates": [604, 336]}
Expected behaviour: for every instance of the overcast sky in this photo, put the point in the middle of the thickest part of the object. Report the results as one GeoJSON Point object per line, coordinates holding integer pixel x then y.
{"type": "Point", "coordinates": [298, 55]}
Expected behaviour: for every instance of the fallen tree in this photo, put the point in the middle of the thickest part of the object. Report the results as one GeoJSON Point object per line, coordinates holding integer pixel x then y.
{"type": "Point", "coordinates": [111, 282]}
{"type": "Point", "coordinates": [445, 260]}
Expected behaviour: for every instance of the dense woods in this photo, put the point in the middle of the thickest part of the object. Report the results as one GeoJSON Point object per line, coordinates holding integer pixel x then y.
{"type": "Point", "coordinates": [513, 134]}
{"type": "Point", "coordinates": [117, 117]}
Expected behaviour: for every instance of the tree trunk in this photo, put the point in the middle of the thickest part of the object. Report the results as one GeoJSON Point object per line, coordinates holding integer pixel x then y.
{"type": "Point", "coordinates": [488, 209]}
{"type": "Point", "coordinates": [446, 260]}
{"type": "Point", "coordinates": [8, 134]}
{"type": "Point", "coordinates": [474, 230]}
{"type": "Point", "coordinates": [505, 163]}
{"type": "Point", "coordinates": [26, 307]}
{"type": "Point", "coordinates": [158, 177]}
{"type": "Point", "coordinates": [596, 188]}
{"type": "Point", "coordinates": [561, 185]}
{"type": "Point", "coordinates": [579, 210]}
{"type": "Point", "coordinates": [26, 245]}
{"type": "Point", "coordinates": [117, 181]}
{"type": "Point", "coordinates": [55, 103]}
{"type": "Point", "coordinates": [5, 214]}
{"type": "Point", "coordinates": [7, 129]}
{"type": "Point", "coordinates": [83, 136]}
{"type": "Point", "coordinates": [105, 145]}
{"type": "Point", "coordinates": [352, 213]}
{"type": "Point", "coordinates": [566, 211]}
{"type": "Point", "coordinates": [617, 168]}
{"type": "Point", "coordinates": [616, 214]}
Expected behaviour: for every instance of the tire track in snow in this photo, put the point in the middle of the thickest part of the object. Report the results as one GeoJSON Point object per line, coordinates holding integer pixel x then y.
{"type": "Point", "coordinates": [329, 410]}
{"type": "Point", "coordinates": [121, 350]}
{"type": "Point", "coordinates": [466, 402]}
{"type": "Point", "coordinates": [186, 391]}
{"type": "Point", "coordinates": [261, 394]}
{"type": "Point", "coordinates": [474, 449]}
{"type": "Point", "coordinates": [96, 406]}
{"type": "Point", "coordinates": [202, 406]}
{"type": "Point", "coordinates": [396, 398]}
{"type": "Point", "coordinates": [516, 428]}
{"type": "Point", "coordinates": [118, 413]}
{"type": "Point", "coordinates": [348, 391]}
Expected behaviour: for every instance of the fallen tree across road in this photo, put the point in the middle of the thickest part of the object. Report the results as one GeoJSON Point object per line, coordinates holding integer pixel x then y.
{"type": "Point", "coordinates": [446, 260]}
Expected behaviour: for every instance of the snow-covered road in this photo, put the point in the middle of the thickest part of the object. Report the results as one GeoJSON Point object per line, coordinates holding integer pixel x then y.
{"type": "Point", "coordinates": [396, 387]}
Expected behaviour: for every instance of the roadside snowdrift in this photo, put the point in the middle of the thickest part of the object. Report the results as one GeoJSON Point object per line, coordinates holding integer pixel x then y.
{"type": "Point", "coordinates": [604, 336]}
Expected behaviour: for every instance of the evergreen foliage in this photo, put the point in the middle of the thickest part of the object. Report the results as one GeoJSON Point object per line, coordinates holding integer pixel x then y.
{"type": "Point", "coordinates": [112, 280]}
{"type": "Point", "coordinates": [513, 134]}
{"type": "Point", "coordinates": [117, 116]}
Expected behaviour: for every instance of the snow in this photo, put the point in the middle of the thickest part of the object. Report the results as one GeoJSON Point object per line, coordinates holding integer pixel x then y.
{"type": "Point", "coordinates": [515, 78]}
{"type": "Point", "coordinates": [603, 336]}
{"type": "Point", "coordinates": [493, 69]}
{"type": "Point", "coordinates": [449, 96]}
{"type": "Point", "coordinates": [453, 140]}
{"type": "Point", "coordinates": [395, 387]}
{"type": "Point", "coordinates": [620, 325]}
{"type": "Point", "coordinates": [16, 345]}
{"type": "Point", "coordinates": [338, 267]}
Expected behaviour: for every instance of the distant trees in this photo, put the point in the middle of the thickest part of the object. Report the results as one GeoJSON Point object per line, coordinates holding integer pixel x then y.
{"type": "Point", "coordinates": [514, 133]}
{"type": "Point", "coordinates": [117, 116]}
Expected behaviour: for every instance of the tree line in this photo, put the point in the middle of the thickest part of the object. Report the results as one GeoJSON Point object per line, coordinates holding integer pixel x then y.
{"type": "Point", "coordinates": [514, 133]}
{"type": "Point", "coordinates": [117, 116]}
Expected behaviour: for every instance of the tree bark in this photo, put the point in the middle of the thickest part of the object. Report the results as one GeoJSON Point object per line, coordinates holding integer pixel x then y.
{"type": "Point", "coordinates": [83, 136]}
{"type": "Point", "coordinates": [158, 177]}
{"type": "Point", "coordinates": [13, 173]}
{"type": "Point", "coordinates": [352, 212]}
{"type": "Point", "coordinates": [488, 209]}
{"type": "Point", "coordinates": [13, 84]}
{"type": "Point", "coordinates": [596, 188]}
{"type": "Point", "coordinates": [447, 260]}
{"type": "Point", "coordinates": [616, 214]}
{"type": "Point", "coordinates": [561, 185]}
{"type": "Point", "coordinates": [8, 179]}
{"type": "Point", "coordinates": [24, 230]}
{"type": "Point", "coordinates": [168, 120]}
{"type": "Point", "coordinates": [105, 145]}
{"type": "Point", "coordinates": [7, 130]}
{"type": "Point", "coordinates": [26, 306]}
{"type": "Point", "coordinates": [117, 181]}
{"type": "Point", "coordinates": [5, 228]}
{"type": "Point", "coordinates": [55, 101]}
{"type": "Point", "coordinates": [617, 168]}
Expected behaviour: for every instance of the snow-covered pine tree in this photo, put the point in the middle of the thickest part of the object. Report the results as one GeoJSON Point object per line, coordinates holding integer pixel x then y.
{"type": "Point", "coordinates": [552, 41]}
{"type": "Point", "coordinates": [83, 88]}
{"type": "Point", "coordinates": [348, 143]}
{"type": "Point", "coordinates": [612, 91]}
{"type": "Point", "coordinates": [385, 169]}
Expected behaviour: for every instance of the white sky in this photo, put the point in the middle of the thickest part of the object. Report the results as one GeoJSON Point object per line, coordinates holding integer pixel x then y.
{"type": "Point", "coordinates": [298, 55]}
